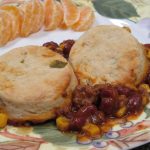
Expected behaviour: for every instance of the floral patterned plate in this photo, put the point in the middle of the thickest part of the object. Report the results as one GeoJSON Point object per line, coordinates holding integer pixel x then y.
{"type": "Point", "coordinates": [47, 137]}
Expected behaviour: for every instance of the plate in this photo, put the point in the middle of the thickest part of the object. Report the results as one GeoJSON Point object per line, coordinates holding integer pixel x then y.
{"type": "Point", "coordinates": [47, 137]}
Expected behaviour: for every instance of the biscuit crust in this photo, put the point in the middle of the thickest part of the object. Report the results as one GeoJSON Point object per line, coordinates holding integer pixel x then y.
{"type": "Point", "coordinates": [30, 88]}
{"type": "Point", "coordinates": [108, 54]}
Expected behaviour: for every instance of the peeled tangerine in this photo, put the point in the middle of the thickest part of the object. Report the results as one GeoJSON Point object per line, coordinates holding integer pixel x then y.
{"type": "Point", "coordinates": [5, 27]}
{"type": "Point", "coordinates": [38, 16]}
{"type": "Point", "coordinates": [27, 22]}
{"type": "Point", "coordinates": [53, 14]}
{"type": "Point", "coordinates": [16, 19]}
{"type": "Point", "coordinates": [3, 120]}
{"type": "Point", "coordinates": [71, 12]}
{"type": "Point", "coordinates": [86, 19]}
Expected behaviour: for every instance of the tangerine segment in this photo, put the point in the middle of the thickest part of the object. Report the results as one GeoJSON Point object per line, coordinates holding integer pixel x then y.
{"type": "Point", "coordinates": [16, 17]}
{"type": "Point", "coordinates": [63, 26]}
{"type": "Point", "coordinates": [71, 12]}
{"type": "Point", "coordinates": [60, 13]}
{"type": "Point", "coordinates": [62, 23]}
{"type": "Point", "coordinates": [53, 15]}
{"type": "Point", "coordinates": [38, 16]}
{"type": "Point", "coordinates": [41, 15]}
{"type": "Point", "coordinates": [26, 27]}
{"type": "Point", "coordinates": [5, 27]}
{"type": "Point", "coordinates": [35, 16]}
{"type": "Point", "coordinates": [86, 19]}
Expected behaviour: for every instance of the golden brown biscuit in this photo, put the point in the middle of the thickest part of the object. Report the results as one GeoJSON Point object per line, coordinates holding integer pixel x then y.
{"type": "Point", "coordinates": [33, 81]}
{"type": "Point", "coordinates": [108, 54]}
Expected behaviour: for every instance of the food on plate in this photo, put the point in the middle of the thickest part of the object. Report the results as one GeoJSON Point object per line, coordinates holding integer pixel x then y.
{"type": "Point", "coordinates": [34, 81]}
{"type": "Point", "coordinates": [33, 17]}
{"type": "Point", "coordinates": [87, 85]}
{"type": "Point", "coordinates": [97, 105]}
{"type": "Point", "coordinates": [108, 54]}
{"type": "Point", "coordinates": [63, 48]}
{"type": "Point", "coordinates": [53, 14]}
{"type": "Point", "coordinates": [5, 27]}
{"type": "Point", "coordinates": [30, 16]}
{"type": "Point", "coordinates": [86, 19]}
{"type": "Point", "coordinates": [16, 19]}
{"type": "Point", "coordinates": [3, 120]}
{"type": "Point", "coordinates": [71, 12]}
{"type": "Point", "coordinates": [38, 13]}
{"type": "Point", "coordinates": [27, 16]}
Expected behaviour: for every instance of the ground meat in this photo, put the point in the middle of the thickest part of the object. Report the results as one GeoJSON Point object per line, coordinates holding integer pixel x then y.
{"type": "Point", "coordinates": [97, 118]}
{"type": "Point", "coordinates": [147, 79]}
{"type": "Point", "coordinates": [66, 47]}
{"type": "Point", "coordinates": [134, 103]}
{"type": "Point", "coordinates": [96, 104]}
{"type": "Point", "coordinates": [63, 48]}
{"type": "Point", "coordinates": [84, 95]}
{"type": "Point", "coordinates": [51, 45]}
{"type": "Point", "coordinates": [109, 106]}
{"type": "Point", "coordinates": [81, 116]}
{"type": "Point", "coordinates": [123, 90]}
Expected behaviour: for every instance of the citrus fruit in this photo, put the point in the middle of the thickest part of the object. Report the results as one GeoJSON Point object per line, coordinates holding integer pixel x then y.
{"type": "Point", "coordinates": [5, 27]}
{"type": "Point", "coordinates": [41, 16]}
{"type": "Point", "coordinates": [37, 20]}
{"type": "Point", "coordinates": [26, 27]}
{"type": "Point", "coordinates": [71, 12]}
{"type": "Point", "coordinates": [86, 19]}
{"type": "Point", "coordinates": [53, 14]}
{"type": "Point", "coordinates": [16, 19]}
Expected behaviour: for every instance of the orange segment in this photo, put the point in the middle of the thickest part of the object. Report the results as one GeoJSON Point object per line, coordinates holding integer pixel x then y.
{"type": "Point", "coordinates": [62, 23]}
{"type": "Point", "coordinates": [26, 27]}
{"type": "Point", "coordinates": [35, 16]}
{"type": "Point", "coordinates": [41, 16]}
{"type": "Point", "coordinates": [86, 19]}
{"type": "Point", "coordinates": [16, 17]}
{"type": "Point", "coordinates": [53, 14]}
{"type": "Point", "coordinates": [5, 27]}
{"type": "Point", "coordinates": [71, 12]}
{"type": "Point", "coordinates": [38, 17]}
{"type": "Point", "coordinates": [63, 26]}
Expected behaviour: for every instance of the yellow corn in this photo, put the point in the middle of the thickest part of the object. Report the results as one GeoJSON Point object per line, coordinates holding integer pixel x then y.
{"type": "Point", "coordinates": [83, 139]}
{"type": "Point", "coordinates": [145, 100]}
{"type": "Point", "coordinates": [92, 130]}
{"type": "Point", "coordinates": [121, 112]}
{"type": "Point", "coordinates": [3, 120]}
{"type": "Point", "coordinates": [105, 128]}
{"type": "Point", "coordinates": [145, 87]}
{"type": "Point", "coordinates": [148, 54]}
{"type": "Point", "coordinates": [62, 123]}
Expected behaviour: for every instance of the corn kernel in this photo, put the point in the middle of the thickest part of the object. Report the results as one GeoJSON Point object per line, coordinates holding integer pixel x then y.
{"type": "Point", "coordinates": [148, 54]}
{"type": "Point", "coordinates": [121, 112]}
{"type": "Point", "coordinates": [3, 120]}
{"type": "Point", "coordinates": [92, 130]}
{"type": "Point", "coordinates": [62, 123]}
{"type": "Point", "coordinates": [106, 128]}
{"type": "Point", "coordinates": [83, 139]}
{"type": "Point", "coordinates": [144, 100]}
{"type": "Point", "coordinates": [145, 87]}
